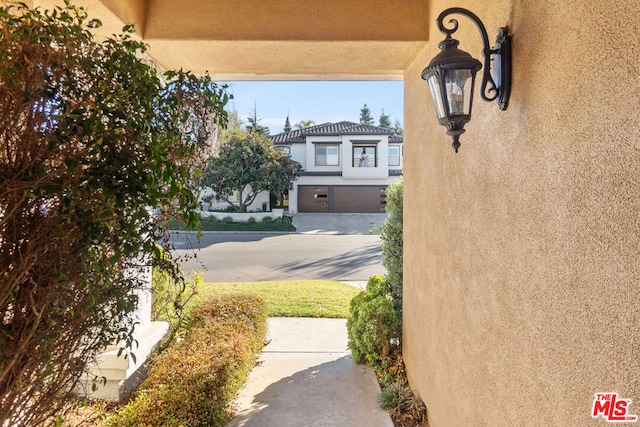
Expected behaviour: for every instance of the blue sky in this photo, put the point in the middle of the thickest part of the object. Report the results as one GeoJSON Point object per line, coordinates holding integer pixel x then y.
{"type": "Point", "coordinates": [320, 101]}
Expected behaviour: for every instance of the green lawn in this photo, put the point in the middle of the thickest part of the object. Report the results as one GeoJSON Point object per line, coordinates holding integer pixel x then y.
{"type": "Point", "coordinates": [294, 298]}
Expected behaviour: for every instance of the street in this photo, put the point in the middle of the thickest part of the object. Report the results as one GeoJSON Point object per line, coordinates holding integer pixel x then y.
{"type": "Point", "coordinates": [244, 257]}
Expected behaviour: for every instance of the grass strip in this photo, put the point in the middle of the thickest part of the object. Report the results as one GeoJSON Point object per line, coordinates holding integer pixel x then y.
{"type": "Point", "coordinates": [293, 298]}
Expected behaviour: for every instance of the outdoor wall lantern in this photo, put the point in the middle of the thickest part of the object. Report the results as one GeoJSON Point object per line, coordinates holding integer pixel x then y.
{"type": "Point", "coordinates": [451, 74]}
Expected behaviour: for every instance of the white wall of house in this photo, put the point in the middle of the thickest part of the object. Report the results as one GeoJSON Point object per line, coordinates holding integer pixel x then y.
{"type": "Point", "coordinates": [298, 152]}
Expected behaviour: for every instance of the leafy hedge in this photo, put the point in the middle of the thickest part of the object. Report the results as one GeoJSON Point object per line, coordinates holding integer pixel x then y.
{"type": "Point", "coordinates": [92, 136]}
{"type": "Point", "coordinates": [392, 243]}
{"type": "Point", "coordinates": [194, 382]}
{"type": "Point", "coordinates": [372, 323]}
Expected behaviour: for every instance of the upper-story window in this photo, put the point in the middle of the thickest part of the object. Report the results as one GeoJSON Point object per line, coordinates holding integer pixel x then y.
{"type": "Point", "coordinates": [327, 155]}
{"type": "Point", "coordinates": [364, 156]}
{"type": "Point", "coordinates": [394, 155]}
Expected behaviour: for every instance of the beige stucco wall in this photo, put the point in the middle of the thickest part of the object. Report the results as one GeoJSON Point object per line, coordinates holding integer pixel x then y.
{"type": "Point", "coordinates": [522, 274]}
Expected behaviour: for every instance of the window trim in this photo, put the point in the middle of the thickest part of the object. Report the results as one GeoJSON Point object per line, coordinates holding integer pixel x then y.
{"type": "Point", "coordinates": [326, 146]}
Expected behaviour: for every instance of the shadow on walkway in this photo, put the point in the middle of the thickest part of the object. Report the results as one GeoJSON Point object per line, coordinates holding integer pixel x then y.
{"type": "Point", "coordinates": [307, 378]}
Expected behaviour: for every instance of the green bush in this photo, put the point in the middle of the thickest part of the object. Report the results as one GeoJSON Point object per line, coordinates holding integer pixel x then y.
{"type": "Point", "coordinates": [283, 220]}
{"type": "Point", "coordinates": [392, 243]}
{"type": "Point", "coordinates": [267, 219]}
{"type": "Point", "coordinates": [93, 135]}
{"type": "Point", "coordinates": [194, 382]}
{"type": "Point", "coordinates": [251, 220]}
{"type": "Point", "coordinates": [208, 220]}
{"type": "Point", "coordinates": [372, 323]}
{"type": "Point", "coordinates": [227, 220]}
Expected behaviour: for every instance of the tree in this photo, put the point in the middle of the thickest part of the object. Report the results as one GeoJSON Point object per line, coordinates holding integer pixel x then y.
{"type": "Point", "coordinates": [254, 126]}
{"type": "Point", "coordinates": [247, 165]}
{"type": "Point", "coordinates": [397, 127]}
{"type": "Point", "coordinates": [287, 125]}
{"type": "Point", "coordinates": [392, 243]}
{"type": "Point", "coordinates": [385, 121]}
{"type": "Point", "coordinates": [234, 125]}
{"type": "Point", "coordinates": [303, 124]}
{"type": "Point", "coordinates": [365, 115]}
{"type": "Point", "coordinates": [96, 151]}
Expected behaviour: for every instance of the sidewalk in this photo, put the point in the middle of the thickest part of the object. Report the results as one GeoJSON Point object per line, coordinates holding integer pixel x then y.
{"type": "Point", "coordinates": [306, 377]}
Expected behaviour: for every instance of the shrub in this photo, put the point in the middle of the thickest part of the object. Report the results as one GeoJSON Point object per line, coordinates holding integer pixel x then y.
{"type": "Point", "coordinates": [284, 220]}
{"type": "Point", "coordinates": [227, 220]}
{"type": "Point", "coordinates": [205, 220]}
{"type": "Point", "coordinates": [372, 323]}
{"type": "Point", "coordinates": [267, 219]}
{"type": "Point", "coordinates": [194, 382]}
{"type": "Point", "coordinates": [392, 243]}
{"type": "Point", "coordinates": [251, 220]}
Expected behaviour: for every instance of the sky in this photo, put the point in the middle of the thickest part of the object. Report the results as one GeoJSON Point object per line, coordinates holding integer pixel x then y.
{"type": "Point", "coordinates": [320, 101]}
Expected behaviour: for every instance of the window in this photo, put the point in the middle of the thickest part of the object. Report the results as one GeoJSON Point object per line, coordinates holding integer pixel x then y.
{"type": "Point", "coordinates": [286, 150]}
{"type": "Point", "coordinates": [394, 155]}
{"type": "Point", "coordinates": [364, 156]}
{"type": "Point", "coordinates": [327, 155]}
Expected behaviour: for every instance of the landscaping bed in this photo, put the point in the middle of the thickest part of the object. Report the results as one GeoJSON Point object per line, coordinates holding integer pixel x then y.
{"type": "Point", "coordinates": [211, 223]}
{"type": "Point", "coordinates": [194, 381]}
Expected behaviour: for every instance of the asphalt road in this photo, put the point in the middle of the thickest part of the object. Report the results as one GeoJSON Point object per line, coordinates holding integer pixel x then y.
{"type": "Point", "coordinates": [246, 257]}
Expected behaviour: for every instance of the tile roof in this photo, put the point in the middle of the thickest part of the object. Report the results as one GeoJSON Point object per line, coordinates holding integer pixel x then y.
{"type": "Point", "coordinates": [331, 129]}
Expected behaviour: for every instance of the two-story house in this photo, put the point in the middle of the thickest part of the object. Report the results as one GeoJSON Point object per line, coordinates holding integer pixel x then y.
{"type": "Point", "coordinates": [346, 166]}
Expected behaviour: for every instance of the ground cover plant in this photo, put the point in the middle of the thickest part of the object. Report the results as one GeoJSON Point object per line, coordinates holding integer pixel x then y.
{"type": "Point", "coordinates": [97, 147]}
{"type": "Point", "coordinates": [195, 381]}
{"type": "Point", "coordinates": [293, 298]}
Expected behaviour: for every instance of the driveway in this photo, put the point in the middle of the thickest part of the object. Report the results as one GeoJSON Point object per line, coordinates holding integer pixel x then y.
{"type": "Point", "coordinates": [338, 223]}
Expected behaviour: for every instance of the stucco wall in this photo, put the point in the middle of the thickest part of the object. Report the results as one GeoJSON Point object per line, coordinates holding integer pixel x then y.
{"type": "Point", "coordinates": [522, 274]}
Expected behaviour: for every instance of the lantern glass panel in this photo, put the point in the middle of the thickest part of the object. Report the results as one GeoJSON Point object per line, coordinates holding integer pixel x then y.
{"type": "Point", "coordinates": [459, 84]}
{"type": "Point", "coordinates": [436, 93]}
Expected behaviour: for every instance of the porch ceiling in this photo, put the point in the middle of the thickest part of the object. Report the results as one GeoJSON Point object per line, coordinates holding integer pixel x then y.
{"type": "Point", "coordinates": [271, 40]}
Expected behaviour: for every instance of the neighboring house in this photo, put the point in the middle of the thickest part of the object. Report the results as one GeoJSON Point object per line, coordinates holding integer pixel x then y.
{"type": "Point", "coordinates": [346, 166]}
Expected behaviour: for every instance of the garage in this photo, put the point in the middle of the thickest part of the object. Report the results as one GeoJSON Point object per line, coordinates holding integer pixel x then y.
{"type": "Point", "coordinates": [341, 198]}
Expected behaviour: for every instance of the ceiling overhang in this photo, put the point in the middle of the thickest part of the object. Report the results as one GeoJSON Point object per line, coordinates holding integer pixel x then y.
{"type": "Point", "coordinates": [273, 40]}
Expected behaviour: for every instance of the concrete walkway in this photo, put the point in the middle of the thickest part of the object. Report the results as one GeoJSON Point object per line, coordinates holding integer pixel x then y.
{"type": "Point", "coordinates": [306, 377]}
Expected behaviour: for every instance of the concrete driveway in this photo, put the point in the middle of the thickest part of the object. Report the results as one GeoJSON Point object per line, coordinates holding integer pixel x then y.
{"type": "Point", "coordinates": [338, 223]}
